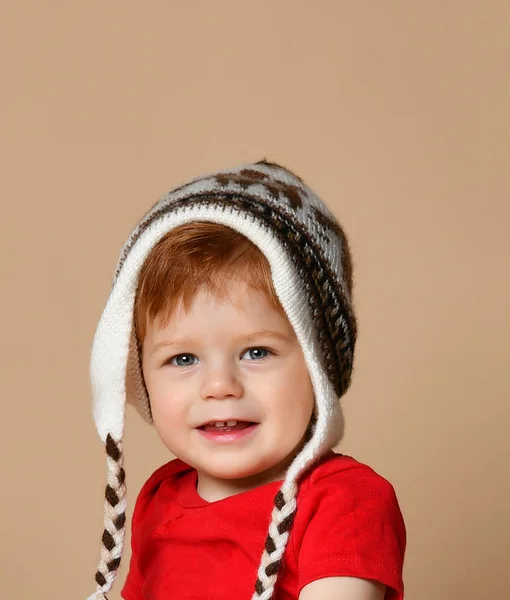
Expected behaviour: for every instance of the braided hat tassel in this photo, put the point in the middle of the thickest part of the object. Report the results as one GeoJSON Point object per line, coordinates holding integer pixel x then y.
{"type": "Point", "coordinates": [282, 518]}
{"type": "Point", "coordinates": [114, 520]}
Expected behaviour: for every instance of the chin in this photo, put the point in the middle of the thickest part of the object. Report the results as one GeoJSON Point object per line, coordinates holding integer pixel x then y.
{"type": "Point", "coordinates": [229, 469]}
{"type": "Point", "coordinates": [241, 468]}
{"type": "Point", "coordinates": [235, 466]}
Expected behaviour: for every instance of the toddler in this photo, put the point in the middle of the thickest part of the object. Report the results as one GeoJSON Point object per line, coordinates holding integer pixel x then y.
{"type": "Point", "coordinates": [230, 327]}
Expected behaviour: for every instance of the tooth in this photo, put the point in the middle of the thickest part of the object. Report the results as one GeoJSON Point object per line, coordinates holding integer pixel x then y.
{"type": "Point", "coordinates": [231, 423]}
{"type": "Point", "coordinates": [219, 424]}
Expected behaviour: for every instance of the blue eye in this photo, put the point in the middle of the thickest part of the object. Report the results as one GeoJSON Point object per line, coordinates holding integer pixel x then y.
{"type": "Point", "coordinates": [187, 360]}
{"type": "Point", "coordinates": [184, 363]}
{"type": "Point", "coordinates": [257, 353]}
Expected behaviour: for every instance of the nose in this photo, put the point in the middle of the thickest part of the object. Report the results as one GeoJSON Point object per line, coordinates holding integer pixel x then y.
{"type": "Point", "coordinates": [221, 381]}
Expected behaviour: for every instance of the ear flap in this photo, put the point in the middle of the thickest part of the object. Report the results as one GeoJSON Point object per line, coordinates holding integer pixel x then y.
{"type": "Point", "coordinates": [136, 392]}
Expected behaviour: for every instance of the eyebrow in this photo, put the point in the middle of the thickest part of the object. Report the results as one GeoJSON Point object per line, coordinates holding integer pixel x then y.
{"type": "Point", "coordinates": [266, 333]}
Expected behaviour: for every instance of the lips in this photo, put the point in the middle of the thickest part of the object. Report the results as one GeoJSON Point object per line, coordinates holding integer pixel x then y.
{"type": "Point", "coordinates": [227, 425]}
{"type": "Point", "coordinates": [231, 431]}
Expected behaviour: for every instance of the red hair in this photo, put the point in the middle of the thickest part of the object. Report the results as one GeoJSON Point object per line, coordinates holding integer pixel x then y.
{"type": "Point", "coordinates": [194, 255]}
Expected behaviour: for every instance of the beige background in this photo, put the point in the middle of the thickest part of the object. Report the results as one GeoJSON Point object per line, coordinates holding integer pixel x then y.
{"type": "Point", "coordinates": [395, 112]}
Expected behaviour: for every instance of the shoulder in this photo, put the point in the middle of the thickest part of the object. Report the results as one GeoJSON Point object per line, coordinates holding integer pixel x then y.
{"type": "Point", "coordinates": [171, 469]}
{"type": "Point", "coordinates": [341, 474]}
{"type": "Point", "coordinates": [167, 473]}
{"type": "Point", "coordinates": [344, 495]}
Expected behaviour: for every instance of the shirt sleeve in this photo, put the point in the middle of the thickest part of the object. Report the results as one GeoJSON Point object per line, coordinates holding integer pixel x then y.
{"type": "Point", "coordinates": [132, 589]}
{"type": "Point", "coordinates": [132, 586]}
{"type": "Point", "coordinates": [354, 529]}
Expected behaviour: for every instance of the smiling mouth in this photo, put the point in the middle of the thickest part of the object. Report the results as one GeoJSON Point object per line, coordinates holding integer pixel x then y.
{"type": "Point", "coordinates": [225, 426]}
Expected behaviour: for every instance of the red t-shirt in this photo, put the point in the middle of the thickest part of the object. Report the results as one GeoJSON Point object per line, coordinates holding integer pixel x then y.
{"type": "Point", "coordinates": [348, 523]}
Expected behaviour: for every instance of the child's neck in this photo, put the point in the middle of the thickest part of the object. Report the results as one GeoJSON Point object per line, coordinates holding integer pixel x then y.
{"type": "Point", "coordinates": [212, 489]}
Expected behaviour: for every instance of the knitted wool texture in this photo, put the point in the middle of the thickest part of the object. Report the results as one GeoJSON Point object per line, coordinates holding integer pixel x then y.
{"type": "Point", "coordinates": [311, 269]}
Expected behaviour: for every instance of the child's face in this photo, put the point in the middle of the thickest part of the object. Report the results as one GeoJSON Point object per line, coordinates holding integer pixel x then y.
{"type": "Point", "coordinates": [216, 364]}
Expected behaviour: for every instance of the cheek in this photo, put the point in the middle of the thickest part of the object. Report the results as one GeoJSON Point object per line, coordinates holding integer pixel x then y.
{"type": "Point", "coordinates": [295, 395]}
{"type": "Point", "coordinates": [170, 418]}
{"type": "Point", "coordinates": [167, 398]}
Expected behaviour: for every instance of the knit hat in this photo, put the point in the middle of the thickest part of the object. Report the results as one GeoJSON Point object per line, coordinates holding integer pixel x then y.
{"type": "Point", "coordinates": [311, 269]}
